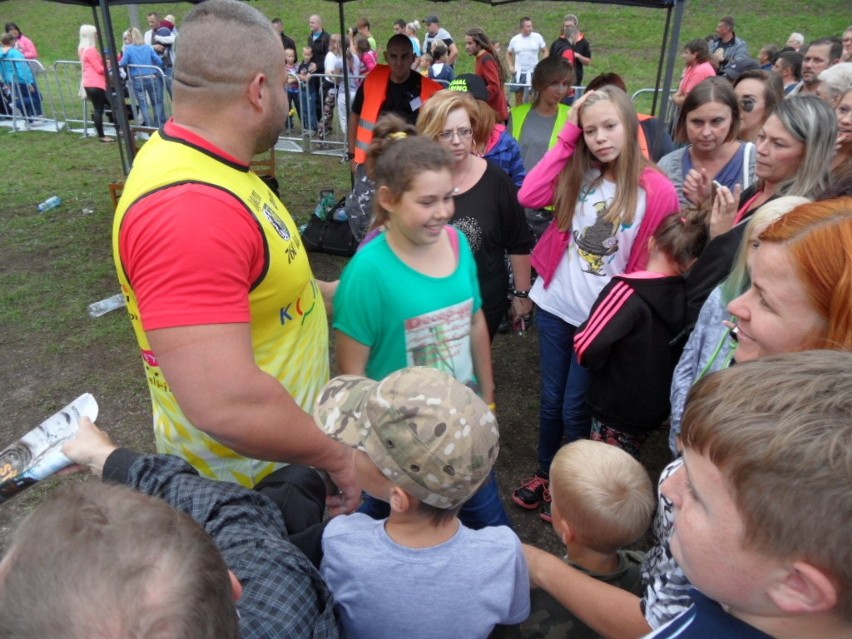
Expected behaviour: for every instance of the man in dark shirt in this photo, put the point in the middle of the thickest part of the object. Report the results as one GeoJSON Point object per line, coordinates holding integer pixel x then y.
{"type": "Point", "coordinates": [318, 41]}
{"type": "Point", "coordinates": [287, 41]}
{"type": "Point", "coordinates": [403, 92]}
{"type": "Point", "coordinates": [573, 45]}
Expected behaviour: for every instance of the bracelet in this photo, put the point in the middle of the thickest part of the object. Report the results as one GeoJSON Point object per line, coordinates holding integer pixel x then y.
{"type": "Point", "coordinates": [492, 407]}
{"type": "Point", "coordinates": [522, 294]}
{"type": "Point", "coordinates": [350, 156]}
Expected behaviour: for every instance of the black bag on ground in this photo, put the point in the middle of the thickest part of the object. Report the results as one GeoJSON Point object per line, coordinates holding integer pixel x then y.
{"type": "Point", "coordinates": [330, 235]}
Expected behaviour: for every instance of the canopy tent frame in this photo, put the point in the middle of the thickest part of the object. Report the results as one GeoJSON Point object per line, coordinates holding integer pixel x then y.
{"type": "Point", "coordinates": [127, 149]}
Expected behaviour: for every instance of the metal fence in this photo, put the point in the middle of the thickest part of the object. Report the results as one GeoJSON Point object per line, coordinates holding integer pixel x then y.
{"type": "Point", "coordinates": [53, 101]}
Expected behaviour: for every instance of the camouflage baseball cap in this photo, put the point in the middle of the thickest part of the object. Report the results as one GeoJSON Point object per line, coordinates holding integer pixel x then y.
{"type": "Point", "coordinates": [426, 431]}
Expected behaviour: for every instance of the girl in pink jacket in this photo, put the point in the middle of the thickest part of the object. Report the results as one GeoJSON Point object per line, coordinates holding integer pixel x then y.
{"type": "Point", "coordinates": [607, 203]}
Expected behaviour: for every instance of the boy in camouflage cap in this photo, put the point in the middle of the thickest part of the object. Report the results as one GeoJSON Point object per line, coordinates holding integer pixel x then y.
{"type": "Point", "coordinates": [424, 443]}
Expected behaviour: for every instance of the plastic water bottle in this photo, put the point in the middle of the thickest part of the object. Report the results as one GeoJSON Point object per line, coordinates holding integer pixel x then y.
{"type": "Point", "coordinates": [326, 203]}
{"type": "Point", "coordinates": [49, 203]}
{"type": "Point", "coordinates": [96, 309]}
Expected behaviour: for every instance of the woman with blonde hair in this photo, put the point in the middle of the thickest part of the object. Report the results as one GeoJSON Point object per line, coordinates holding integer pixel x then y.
{"type": "Point", "coordinates": [94, 80]}
{"type": "Point", "coordinates": [486, 204]}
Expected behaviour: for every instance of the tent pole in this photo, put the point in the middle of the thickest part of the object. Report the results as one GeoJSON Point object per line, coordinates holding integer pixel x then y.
{"type": "Point", "coordinates": [101, 50]}
{"type": "Point", "coordinates": [117, 97]}
{"type": "Point", "coordinates": [672, 57]}
{"type": "Point", "coordinates": [660, 63]}
{"type": "Point", "coordinates": [345, 86]}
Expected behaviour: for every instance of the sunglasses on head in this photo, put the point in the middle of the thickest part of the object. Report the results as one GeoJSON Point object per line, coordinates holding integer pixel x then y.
{"type": "Point", "coordinates": [747, 104]}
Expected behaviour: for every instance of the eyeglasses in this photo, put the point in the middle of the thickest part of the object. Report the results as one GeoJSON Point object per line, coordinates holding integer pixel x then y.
{"type": "Point", "coordinates": [747, 105]}
{"type": "Point", "coordinates": [463, 133]}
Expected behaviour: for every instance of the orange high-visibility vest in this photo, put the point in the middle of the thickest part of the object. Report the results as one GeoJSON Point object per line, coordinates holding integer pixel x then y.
{"type": "Point", "coordinates": [375, 92]}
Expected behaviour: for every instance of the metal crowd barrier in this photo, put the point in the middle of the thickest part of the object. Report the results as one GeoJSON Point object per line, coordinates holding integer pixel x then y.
{"type": "Point", "coordinates": [28, 105]}
{"type": "Point", "coordinates": [62, 107]}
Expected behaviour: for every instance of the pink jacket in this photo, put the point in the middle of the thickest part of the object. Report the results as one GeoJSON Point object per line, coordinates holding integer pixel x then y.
{"type": "Point", "coordinates": [27, 47]}
{"type": "Point", "coordinates": [539, 189]}
{"type": "Point", "coordinates": [94, 75]}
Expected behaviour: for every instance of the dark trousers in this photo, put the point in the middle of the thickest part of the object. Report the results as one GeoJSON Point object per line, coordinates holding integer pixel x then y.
{"type": "Point", "coordinates": [98, 98]}
{"type": "Point", "coordinates": [299, 493]}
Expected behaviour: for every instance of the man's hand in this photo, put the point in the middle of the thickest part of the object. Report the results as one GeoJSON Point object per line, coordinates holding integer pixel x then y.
{"type": "Point", "coordinates": [90, 447]}
{"type": "Point", "coordinates": [348, 497]}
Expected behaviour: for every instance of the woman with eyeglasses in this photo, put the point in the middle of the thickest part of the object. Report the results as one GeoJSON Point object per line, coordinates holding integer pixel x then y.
{"type": "Point", "coordinates": [758, 93]}
{"type": "Point", "coordinates": [709, 121]}
{"type": "Point", "coordinates": [486, 205]}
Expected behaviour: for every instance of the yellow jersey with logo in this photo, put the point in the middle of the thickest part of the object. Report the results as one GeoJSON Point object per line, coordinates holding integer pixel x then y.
{"type": "Point", "coordinates": [289, 328]}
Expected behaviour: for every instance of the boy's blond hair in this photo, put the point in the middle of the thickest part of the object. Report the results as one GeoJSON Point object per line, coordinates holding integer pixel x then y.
{"type": "Point", "coordinates": [779, 429]}
{"type": "Point", "coordinates": [603, 493]}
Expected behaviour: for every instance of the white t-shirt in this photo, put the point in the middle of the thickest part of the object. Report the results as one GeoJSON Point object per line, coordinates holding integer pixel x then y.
{"type": "Point", "coordinates": [596, 252]}
{"type": "Point", "coordinates": [526, 50]}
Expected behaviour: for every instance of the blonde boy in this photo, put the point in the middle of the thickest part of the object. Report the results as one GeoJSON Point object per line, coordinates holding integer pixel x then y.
{"type": "Point", "coordinates": [763, 502]}
{"type": "Point", "coordinates": [424, 443]}
{"type": "Point", "coordinates": [602, 500]}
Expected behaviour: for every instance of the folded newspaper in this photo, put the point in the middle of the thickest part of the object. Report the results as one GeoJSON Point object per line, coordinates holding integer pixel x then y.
{"type": "Point", "coordinates": [38, 454]}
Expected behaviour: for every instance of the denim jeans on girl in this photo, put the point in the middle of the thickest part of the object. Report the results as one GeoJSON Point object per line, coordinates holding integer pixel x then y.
{"type": "Point", "coordinates": [563, 416]}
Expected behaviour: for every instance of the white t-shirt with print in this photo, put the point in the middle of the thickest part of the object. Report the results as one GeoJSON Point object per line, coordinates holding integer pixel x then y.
{"type": "Point", "coordinates": [596, 252]}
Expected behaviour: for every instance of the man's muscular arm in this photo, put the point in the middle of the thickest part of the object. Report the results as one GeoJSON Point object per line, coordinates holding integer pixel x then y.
{"type": "Point", "coordinates": [212, 371]}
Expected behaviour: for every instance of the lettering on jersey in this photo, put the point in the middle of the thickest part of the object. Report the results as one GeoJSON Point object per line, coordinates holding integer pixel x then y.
{"type": "Point", "coordinates": [296, 310]}
{"type": "Point", "coordinates": [277, 223]}
{"type": "Point", "coordinates": [148, 358]}
{"type": "Point", "coordinates": [255, 199]}
{"type": "Point", "coordinates": [293, 249]}
{"type": "Point", "coordinates": [156, 380]}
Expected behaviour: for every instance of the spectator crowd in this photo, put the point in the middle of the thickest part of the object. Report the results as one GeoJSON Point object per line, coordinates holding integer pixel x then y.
{"type": "Point", "coordinates": [693, 277]}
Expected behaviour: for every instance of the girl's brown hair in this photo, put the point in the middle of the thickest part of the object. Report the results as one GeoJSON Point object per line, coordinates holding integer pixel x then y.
{"type": "Point", "coordinates": [397, 155]}
{"type": "Point", "coordinates": [682, 236]}
{"type": "Point", "coordinates": [626, 168]}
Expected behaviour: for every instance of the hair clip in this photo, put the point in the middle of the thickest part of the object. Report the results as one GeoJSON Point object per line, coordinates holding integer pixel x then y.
{"type": "Point", "coordinates": [398, 135]}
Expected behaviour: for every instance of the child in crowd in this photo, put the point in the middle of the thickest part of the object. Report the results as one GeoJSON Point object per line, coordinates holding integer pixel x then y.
{"type": "Point", "coordinates": [309, 93]}
{"type": "Point", "coordinates": [410, 296]}
{"type": "Point", "coordinates": [634, 336]}
{"type": "Point", "coordinates": [369, 58]}
{"type": "Point", "coordinates": [441, 70]}
{"type": "Point", "coordinates": [602, 500]}
{"type": "Point", "coordinates": [763, 498]}
{"type": "Point", "coordinates": [424, 64]}
{"type": "Point", "coordinates": [292, 84]}
{"type": "Point", "coordinates": [608, 201]}
{"type": "Point", "coordinates": [425, 443]}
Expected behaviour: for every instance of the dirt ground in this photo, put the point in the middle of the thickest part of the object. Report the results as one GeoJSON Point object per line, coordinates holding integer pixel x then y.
{"type": "Point", "coordinates": [37, 382]}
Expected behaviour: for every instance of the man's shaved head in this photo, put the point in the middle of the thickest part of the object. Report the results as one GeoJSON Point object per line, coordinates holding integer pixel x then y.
{"type": "Point", "coordinates": [224, 44]}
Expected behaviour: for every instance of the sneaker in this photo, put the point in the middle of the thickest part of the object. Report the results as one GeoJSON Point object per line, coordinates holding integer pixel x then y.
{"type": "Point", "coordinates": [531, 491]}
{"type": "Point", "coordinates": [546, 502]}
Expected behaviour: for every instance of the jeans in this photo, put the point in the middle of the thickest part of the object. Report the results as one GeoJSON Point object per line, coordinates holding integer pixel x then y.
{"type": "Point", "coordinates": [27, 99]}
{"type": "Point", "coordinates": [485, 508]}
{"type": "Point", "coordinates": [145, 87]}
{"type": "Point", "coordinates": [563, 416]}
{"type": "Point", "coordinates": [308, 109]}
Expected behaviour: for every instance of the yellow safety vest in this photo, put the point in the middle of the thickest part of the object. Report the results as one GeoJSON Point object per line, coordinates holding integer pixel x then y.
{"type": "Point", "coordinates": [288, 321]}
